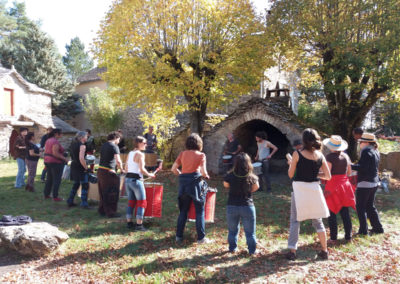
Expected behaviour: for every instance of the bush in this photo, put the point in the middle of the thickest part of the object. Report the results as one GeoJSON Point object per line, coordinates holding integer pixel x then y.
{"type": "Point", "coordinates": [315, 114]}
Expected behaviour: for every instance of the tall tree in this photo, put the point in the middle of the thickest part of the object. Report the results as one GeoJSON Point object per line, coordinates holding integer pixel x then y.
{"type": "Point", "coordinates": [351, 45]}
{"type": "Point", "coordinates": [182, 55]}
{"type": "Point", "coordinates": [36, 57]}
{"type": "Point", "coordinates": [76, 60]}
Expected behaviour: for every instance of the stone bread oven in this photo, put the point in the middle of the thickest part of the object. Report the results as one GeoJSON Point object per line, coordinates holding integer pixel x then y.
{"type": "Point", "coordinates": [271, 115]}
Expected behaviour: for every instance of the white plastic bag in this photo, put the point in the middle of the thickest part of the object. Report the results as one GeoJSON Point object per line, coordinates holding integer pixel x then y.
{"type": "Point", "coordinates": [66, 172]}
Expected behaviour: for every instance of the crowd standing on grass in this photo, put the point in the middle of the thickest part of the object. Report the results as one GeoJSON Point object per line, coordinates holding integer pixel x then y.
{"type": "Point", "coordinates": [307, 168]}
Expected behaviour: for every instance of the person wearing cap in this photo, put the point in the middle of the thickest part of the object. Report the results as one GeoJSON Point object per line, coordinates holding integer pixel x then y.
{"type": "Point", "coordinates": [339, 192]}
{"type": "Point", "coordinates": [367, 184]}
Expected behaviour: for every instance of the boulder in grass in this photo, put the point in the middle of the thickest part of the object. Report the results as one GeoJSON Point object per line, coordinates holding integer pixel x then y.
{"type": "Point", "coordinates": [33, 239]}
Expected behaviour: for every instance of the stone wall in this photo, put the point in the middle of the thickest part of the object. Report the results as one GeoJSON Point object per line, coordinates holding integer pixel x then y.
{"type": "Point", "coordinates": [5, 133]}
{"type": "Point", "coordinates": [390, 162]}
{"type": "Point", "coordinates": [25, 101]}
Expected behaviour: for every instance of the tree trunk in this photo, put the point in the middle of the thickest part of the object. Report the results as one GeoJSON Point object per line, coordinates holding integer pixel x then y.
{"type": "Point", "coordinates": [197, 120]}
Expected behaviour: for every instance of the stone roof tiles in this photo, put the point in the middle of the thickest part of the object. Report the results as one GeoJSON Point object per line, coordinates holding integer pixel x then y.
{"type": "Point", "coordinates": [29, 86]}
{"type": "Point", "coordinates": [91, 75]}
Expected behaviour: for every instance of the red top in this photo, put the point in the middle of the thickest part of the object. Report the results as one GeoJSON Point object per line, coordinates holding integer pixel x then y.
{"type": "Point", "coordinates": [190, 160]}
{"type": "Point", "coordinates": [48, 151]}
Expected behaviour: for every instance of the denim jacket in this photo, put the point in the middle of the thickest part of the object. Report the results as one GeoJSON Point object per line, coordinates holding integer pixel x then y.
{"type": "Point", "coordinates": [192, 185]}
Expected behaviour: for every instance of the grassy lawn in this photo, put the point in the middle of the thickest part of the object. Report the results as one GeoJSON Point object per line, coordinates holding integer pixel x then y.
{"type": "Point", "coordinates": [102, 250]}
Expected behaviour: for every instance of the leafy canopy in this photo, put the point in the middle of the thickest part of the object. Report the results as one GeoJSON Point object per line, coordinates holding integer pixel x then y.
{"type": "Point", "coordinates": [181, 55]}
{"type": "Point", "coordinates": [350, 47]}
{"type": "Point", "coordinates": [77, 60]}
{"type": "Point", "coordinates": [102, 113]}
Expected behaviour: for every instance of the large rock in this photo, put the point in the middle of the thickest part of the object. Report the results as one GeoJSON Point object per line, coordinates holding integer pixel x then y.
{"type": "Point", "coordinates": [34, 239]}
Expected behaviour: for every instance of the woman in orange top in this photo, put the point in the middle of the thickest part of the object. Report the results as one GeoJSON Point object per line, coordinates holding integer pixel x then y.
{"type": "Point", "coordinates": [191, 186]}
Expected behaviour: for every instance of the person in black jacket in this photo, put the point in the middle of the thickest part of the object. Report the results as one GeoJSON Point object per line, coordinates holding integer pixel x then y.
{"type": "Point", "coordinates": [367, 184]}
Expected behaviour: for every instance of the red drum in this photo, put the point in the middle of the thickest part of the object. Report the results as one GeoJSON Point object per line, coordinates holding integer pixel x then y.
{"type": "Point", "coordinates": [209, 208]}
{"type": "Point", "coordinates": [154, 196]}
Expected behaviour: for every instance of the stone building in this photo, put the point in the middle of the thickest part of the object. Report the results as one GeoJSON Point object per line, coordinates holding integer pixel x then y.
{"type": "Point", "coordinates": [271, 115]}
{"type": "Point", "coordinates": [131, 125]}
{"type": "Point", "coordinates": [23, 104]}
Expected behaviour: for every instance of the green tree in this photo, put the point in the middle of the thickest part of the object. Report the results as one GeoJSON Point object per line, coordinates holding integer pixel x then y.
{"type": "Point", "coordinates": [181, 55]}
{"type": "Point", "coordinates": [35, 56]}
{"type": "Point", "coordinates": [76, 60]}
{"type": "Point", "coordinates": [102, 112]}
{"type": "Point", "coordinates": [351, 47]}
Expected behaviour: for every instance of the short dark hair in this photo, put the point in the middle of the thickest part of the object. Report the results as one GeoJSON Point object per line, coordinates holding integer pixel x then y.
{"type": "Point", "coordinates": [358, 130]}
{"type": "Point", "coordinates": [311, 140]}
{"type": "Point", "coordinates": [89, 131]}
{"type": "Point", "coordinates": [194, 142]}
{"type": "Point", "coordinates": [22, 129]}
{"type": "Point", "coordinates": [54, 132]}
{"type": "Point", "coordinates": [262, 134]}
{"type": "Point", "coordinates": [137, 140]}
{"type": "Point", "coordinates": [113, 135]}
{"type": "Point", "coordinates": [29, 136]}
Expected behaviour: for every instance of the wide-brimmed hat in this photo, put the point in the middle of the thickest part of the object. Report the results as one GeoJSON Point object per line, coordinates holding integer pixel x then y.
{"type": "Point", "coordinates": [367, 137]}
{"type": "Point", "coordinates": [335, 143]}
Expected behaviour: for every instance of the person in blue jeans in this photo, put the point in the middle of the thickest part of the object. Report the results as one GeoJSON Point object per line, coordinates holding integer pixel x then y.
{"type": "Point", "coordinates": [241, 183]}
{"type": "Point", "coordinates": [135, 168]}
{"type": "Point", "coordinates": [191, 186]}
{"type": "Point", "coordinates": [20, 155]}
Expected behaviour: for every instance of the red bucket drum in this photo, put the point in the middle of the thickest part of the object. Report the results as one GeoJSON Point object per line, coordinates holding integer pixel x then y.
{"type": "Point", "coordinates": [209, 208]}
{"type": "Point", "coordinates": [154, 196]}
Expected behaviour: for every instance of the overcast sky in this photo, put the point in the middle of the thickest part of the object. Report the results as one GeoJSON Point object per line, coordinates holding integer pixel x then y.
{"type": "Point", "coordinates": [66, 19]}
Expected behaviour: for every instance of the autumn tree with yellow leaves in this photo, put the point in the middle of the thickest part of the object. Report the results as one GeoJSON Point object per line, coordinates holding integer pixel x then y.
{"type": "Point", "coordinates": [176, 56]}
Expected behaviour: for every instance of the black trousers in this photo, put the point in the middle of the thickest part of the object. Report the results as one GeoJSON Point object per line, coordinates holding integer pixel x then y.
{"type": "Point", "coordinates": [108, 183]}
{"type": "Point", "coordinates": [365, 204]}
{"type": "Point", "coordinates": [344, 213]}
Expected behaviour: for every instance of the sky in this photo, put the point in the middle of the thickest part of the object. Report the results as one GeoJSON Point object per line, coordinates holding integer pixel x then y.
{"type": "Point", "coordinates": [65, 19]}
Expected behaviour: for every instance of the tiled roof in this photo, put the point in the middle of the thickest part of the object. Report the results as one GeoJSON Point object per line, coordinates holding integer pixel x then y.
{"type": "Point", "coordinates": [51, 121]}
{"type": "Point", "coordinates": [29, 86]}
{"type": "Point", "coordinates": [92, 75]}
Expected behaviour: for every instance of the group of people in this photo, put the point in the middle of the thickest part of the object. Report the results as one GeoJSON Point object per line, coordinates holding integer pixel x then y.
{"type": "Point", "coordinates": [307, 167]}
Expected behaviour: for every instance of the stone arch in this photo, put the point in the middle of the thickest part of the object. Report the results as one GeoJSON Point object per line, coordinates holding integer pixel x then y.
{"type": "Point", "coordinates": [273, 113]}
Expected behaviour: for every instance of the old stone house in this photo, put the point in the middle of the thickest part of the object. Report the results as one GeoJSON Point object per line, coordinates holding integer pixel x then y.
{"type": "Point", "coordinates": [23, 104]}
{"type": "Point", "coordinates": [131, 125]}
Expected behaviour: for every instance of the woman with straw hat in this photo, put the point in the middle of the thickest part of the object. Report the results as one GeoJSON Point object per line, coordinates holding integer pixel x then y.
{"type": "Point", "coordinates": [367, 168]}
{"type": "Point", "coordinates": [339, 193]}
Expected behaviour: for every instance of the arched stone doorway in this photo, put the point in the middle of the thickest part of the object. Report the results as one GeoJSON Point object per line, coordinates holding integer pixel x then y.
{"type": "Point", "coordinates": [271, 115]}
{"type": "Point", "coordinates": [245, 134]}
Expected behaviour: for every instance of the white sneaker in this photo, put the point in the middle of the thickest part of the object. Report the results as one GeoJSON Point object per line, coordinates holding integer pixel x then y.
{"type": "Point", "coordinates": [205, 241]}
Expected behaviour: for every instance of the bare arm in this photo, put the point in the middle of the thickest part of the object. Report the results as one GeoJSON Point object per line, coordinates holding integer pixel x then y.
{"type": "Point", "coordinates": [175, 169]}
{"type": "Point", "coordinates": [293, 164]}
{"type": "Point", "coordinates": [255, 187]}
{"type": "Point", "coordinates": [139, 158]}
{"type": "Point", "coordinates": [203, 169]}
{"type": "Point", "coordinates": [55, 153]}
{"type": "Point", "coordinates": [273, 147]}
{"type": "Point", "coordinates": [82, 150]}
{"type": "Point", "coordinates": [239, 148]}
{"type": "Point", "coordinates": [119, 162]}
{"type": "Point", "coordinates": [326, 173]}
